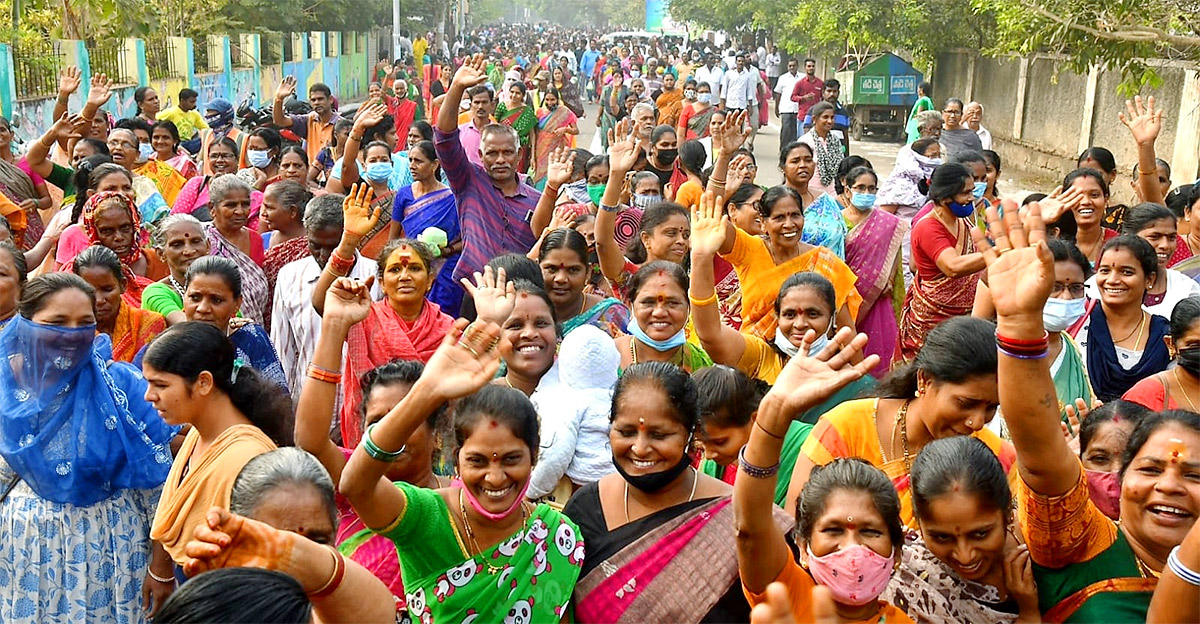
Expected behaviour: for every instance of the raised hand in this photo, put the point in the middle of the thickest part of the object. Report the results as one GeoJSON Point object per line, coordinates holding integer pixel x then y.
{"type": "Point", "coordinates": [563, 216]}
{"type": "Point", "coordinates": [623, 149]}
{"type": "Point", "coordinates": [737, 173]}
{"type": "Point", "coordinates": [287, 87]}
{"type": "Point", "coordinates": [465, 362]}
{"type": "Point", "coordinates": [494, 295]}
{"type": "Point", "coordinates": [807, 381]}
{"type": "Point", "coordinates": [472, 72]}
{"type": "Point", "coordinates": [360, 217]}
{"type": "Point", "coordinates": [348, 300]}
{"type": "Point", "coordinates": [368, 116]}
{"type": "Point", "coordinates": [560, 168]}
{"type": "Point", "coordinates": [1059, 203]}
{"type": "Point", "coordinates": [231, 541]}
{"type": "Point", "coordinates": [1144, 122]}
{"type": "Point", "coordinates": [1020, 267]}
{"type": "Point", "coordinates": [733, 133]}
{"type": "Point", "coordinates": [69, 80]}
{"type": "Point", "coordinates": [100, 89]}
{"type": "Point", "coordinates": [710, 226]}
{"type": "Point", "coordinates": [69, 126]}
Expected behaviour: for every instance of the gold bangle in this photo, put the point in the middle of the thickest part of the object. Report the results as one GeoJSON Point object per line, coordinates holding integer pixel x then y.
{"type": "Point", "coordinates": [702, 302]}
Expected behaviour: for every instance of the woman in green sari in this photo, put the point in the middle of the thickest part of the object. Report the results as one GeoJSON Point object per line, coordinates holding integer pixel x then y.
{"type": "Point", "coordinates": [520, 116]}
{"type": "Point", "coordinates": [563, 256]}
{"type": "Point", "coordinates": [923, 103]}
{"type": "Point", "coordinates": [456, 543]}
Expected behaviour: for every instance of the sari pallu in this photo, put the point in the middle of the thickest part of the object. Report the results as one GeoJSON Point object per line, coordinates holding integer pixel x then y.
{"type": "Point", "coordinates": [379, 339]}
{"type": "Point", "coordinates": [546, 141]}
{"type": "Point", "coordinates": [436, 209]}
{"type": "Point", "coordinates": [524, 120]}
{"type": "Point", "coordinates": [18, 186]}
{"type": "Point", "coordinates": [931, 301]}
{"type": "Point", "coordinates": [135, 329]}
{"type": "Point", "coordinates": [729, 293]}
{"type": "Point", "coordinates": [374, 241]}
{"type": "Point", "coordinates": [254, 281]}
{"type": "Point", "coordinates": [697, 125]}
{"type": "Point", "coordinates": [761, 288]}
{"type": "Point", "coordinates": [873, 253]}
{"type": "Point", "coordinates": [1109, 379]}
{"type": "Point", "coordinates": [609, 315]}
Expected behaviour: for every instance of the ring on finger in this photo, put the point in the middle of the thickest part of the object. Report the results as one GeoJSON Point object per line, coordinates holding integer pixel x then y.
{"type": "Point", "coordinates": [468, 347]}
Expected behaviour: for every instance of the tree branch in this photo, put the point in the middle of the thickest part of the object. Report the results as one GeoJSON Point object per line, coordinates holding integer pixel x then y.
{"type": "Point", "coordinates": [1132, 34]}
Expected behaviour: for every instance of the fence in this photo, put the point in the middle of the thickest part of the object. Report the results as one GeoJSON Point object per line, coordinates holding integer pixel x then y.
{"type": "Point", "coordinates": [159, 60]}
{"type": "Point", "coordinates": [35, 70]}
{"type": "Point", "coordinates": [201, 56]}
{"type": "Point", "coordinates": [106, 57]}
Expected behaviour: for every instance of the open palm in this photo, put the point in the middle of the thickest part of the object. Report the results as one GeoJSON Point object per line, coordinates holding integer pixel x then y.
{"type": "Point", "coordinates": [471, 73]}
{"type": "Point", "coordinates": [467, 359]}
{"type": "Point", "coordinates": [1020, 267]}
{"type": "Point", "coordinates": [1143, 121]}
{"type": "Point", "coordinates": [807, 381]}
{"type": "Point", "coordinates": [494, 295]}
{"type": "Point", "coordinates": [359, 217]}
{"type": "Point", "coordinates": [710, 226]}
{"type": "Point", "coordinates": [558, 172]}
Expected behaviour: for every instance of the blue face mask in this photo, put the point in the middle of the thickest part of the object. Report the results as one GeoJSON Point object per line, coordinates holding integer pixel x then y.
{"type": "Point", "coordinates": [979, 190]}
{"type": "Point", "coordinates": [658, 345]}
{"type": "Point", "coordinates": [258, 158]}
{"type": "Point", "coordinates": [863, 201]}
{"type": "Point", "coordinates": [705, 98]}
{"type": "Point", "coordinates": [962, 210]}
{"type": "Point", "coordinates": [791, 350]}
{"type": "Point", "coordinates": [1059, 314]}
{"type": "Point", "coordinates": [378, 171]}
{"type": "Point", "coordinates": [145, 151]}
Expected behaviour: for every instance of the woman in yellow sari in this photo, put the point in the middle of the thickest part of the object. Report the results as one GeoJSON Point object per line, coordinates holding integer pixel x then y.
{"type": "Point", "coordinates": [557, 127]}
{"type": "Point", "coordinates": [131, 328]}
{"type": "Point", "coordinates": [948, 390]}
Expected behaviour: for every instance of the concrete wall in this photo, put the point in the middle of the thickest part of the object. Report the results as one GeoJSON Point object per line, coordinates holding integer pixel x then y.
{"type": "Point", "coordinates": [1042, 116]}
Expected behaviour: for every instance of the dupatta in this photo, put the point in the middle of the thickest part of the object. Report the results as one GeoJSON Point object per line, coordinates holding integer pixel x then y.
{"type": "Point", "coordinates": [381, 338]}
{"type": "Point", "coordinates": [1109, 379]}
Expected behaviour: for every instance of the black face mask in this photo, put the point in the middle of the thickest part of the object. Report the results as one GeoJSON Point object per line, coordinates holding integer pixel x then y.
{"type": "Point", "coordinates": [656, 481]}
{"type": "Point", "coordinates": [666, 157]}
{"type": "Point", "coordinates": [1189, 360]}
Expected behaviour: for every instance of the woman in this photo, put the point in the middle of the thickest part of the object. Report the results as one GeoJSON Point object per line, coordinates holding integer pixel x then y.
{"type": "Point", "coordinates": [848, 531]}
{"type": "Point", "coordinates": [567, 89]}
{"type": "Point", "coordinates": [538, 549]}
{"type": "Point", "coordinates": [823, 223]}
{"type": "Point", "coordinates": [956, 137]}
{"type": "Point", "coordinates": [1103, 436]}
{"type": "Point", "coordinates": [658, 295]}
{"type": "Point", "coordinates": [656, 503]}
{"type": "Point", "coordinates": [229, 237]}
{"type": "Point", "coordinates": [262, 154]}
{"type": "Point", "coordinates": [285, 238]}
{"type": "Point", "coordinates": [944, 259]}
{"type": "Point", "coordinates": [288, 489]}
{"type": "Point", "coordinates": [196, 379]}
{"type": "Point", "coordinates": [110, 219]}
{"type": "Point", "coordinates": [612, 107]}
{"type": "Point", "coordinates": [1102, 161]}
{"type": "Point", "coordinates": [164, 138]}
{"type": "Point", "coordinates": [146, 103]}
{"type": "Point", "coordinates": [22, 187]}
{"type": "Point", "coordinates": [873, 253]}
{"type": "Point", "coordinates": [695, 118]}
{"type": "Point", "coordinates": [556, 128]}
{"type": "Point", "coordinates": [293, 165]}
{"type": "Point", "coordinates": [742, 208]}
{"type": "Point", "coordinates": [1089, 214]}
{"type": "Point", "coordinates": [1087, 567]}
{"type": "Point", "coordinates": [663, 154]}
{"type": "Point", "coordinates": [79, 493]}
{"type": "Point", "coordinates": [948, 390]}
{"type": "Point", "coordinates": [424, 205]}
{"type": "Point", "coordinates": [826, 146]}
{"type": "Point", "coordinates": [194, 198]}
{"type": "Point", "coordinates": [382, 388]}
{"type": "Point", "coordinates": [179, 240]}
{"type": "Point", "coordinates": [520, 116]}
{"type": "Point", "coordinates": [213, 295]}
{"type": "Point", "coordinates": [130, 327]}
{"type": "Point", "coordinates": [564, 259]}
{"type": "Point", "coordinates": [13, 273]}
{"type": "Point", "coordinates": [377, 171]}
{"type": "Point", "coordinates": [966, 564]}
{"type": "Point", "coordinates": [923, 103]}
{"type": "Point", "coordinates": [152, 175]}
{"type": "Point", "coordinates": [1179, 386]}
{"type": "Point", "coordinates": [763, 265]}
{"type": "Point", "coordinates": [439, 88]}
{"type": "Point", "coordinates": [1122, 343]}
{"type": "Point", "coordinates": [402, 175]}
{"type": "Point", "coordinates": [1156, 225]}
{"type": "Point", "coordinates": [691, 163]}
{"type": "Point", "coordinates": [527, 322]}
{"type": "Point", "coordinates": [992, 192]}
{"type": "Point", "coordinates": [404, 324]}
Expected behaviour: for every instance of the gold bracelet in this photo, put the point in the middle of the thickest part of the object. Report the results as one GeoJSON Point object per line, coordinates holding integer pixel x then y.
{"type": "Point", "coordinates": [703, 302]}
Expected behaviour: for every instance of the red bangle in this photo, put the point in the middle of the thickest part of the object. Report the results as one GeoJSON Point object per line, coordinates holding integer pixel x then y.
{"type": "Point", "coordinates": [1045, 339]}
{"type": "Point", "coordinates": [324, 374]}
{"type": "Point", "coordinates": [1023, 347]}
{"type": "Point", "coordinates": [339, 265]}
{"type": "Point", "coordinates": [335, 580]}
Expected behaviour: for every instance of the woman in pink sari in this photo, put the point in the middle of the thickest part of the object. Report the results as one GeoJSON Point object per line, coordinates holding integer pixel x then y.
{"type": "Point", "coordinates": [557, 127]}
{"type": "Point", "coordinates": [873, 253]}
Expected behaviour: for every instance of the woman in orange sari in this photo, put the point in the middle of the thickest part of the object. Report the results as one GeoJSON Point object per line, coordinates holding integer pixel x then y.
{"type": "Point", "coordinates": [130, 327]}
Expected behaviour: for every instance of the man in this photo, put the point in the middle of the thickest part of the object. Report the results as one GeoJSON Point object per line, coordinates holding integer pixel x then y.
{"type": "Point", "coordinates": [784, 106]}
{"type": "Point", "coordinates": [973, 118]}
{"type": "Point", "coordinates": [218, 114]}
{"type": "Point", "coordinates": [186, 119]}
{"type": "Point", "coordinates": [316, 128]}
{"type": "Point", "coordinates": [808, 90]}
{"type": "Point", "coordinates": [669, 102]}
{"type": "Point", "coordinates": [710, 73]}
{"type": "Point", "coordinates": [738, 86]}
{"type": "Point", "coordinates": [774, 62]}
{"type": "Point", "coordinates": [652, 78]}
{"type": "Point", "coordinates": [295, 324]}
{"type": "Point", "coordinates": [494, 206]}
{"type": "Point", "coordinates": [841, 116]}
{"type": "Point", "coordinates": [587, 67]}
{"type": "Point", "coordinates": [643, 120]}
{"type": "Point", "coordinates": [469, 133]}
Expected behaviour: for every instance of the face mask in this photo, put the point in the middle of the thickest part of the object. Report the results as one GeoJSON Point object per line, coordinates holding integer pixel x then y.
{"type": "Point", "coordinates": [1189, 360]}
{"type": "Point", "coordinates": [654, 482]}
{"type": "Point", "coordinates": [258, 158]}
{"type": "Point", "coordinates": [494, 517]}
{"type": "Point", "coordinates": [1105, 490]}
{"type": "Point", "coordinates": [633, 73]}
{"type": "Point", "coordinates": [978, 191]}
{"type": "Point", "coordinates": [791, 350]}
{"type": "Point", "coordinates": [644, 201]}
{"type": "Point", "coordinates": [855, 575]}
{"type": "Point", "coordinates": [863, 201]}
{"type": "Point", "coordinates": [145, 151]}
{"type": "Point", "coordinates": [690, 94]}
{"type": "Point", "coordinates": [1059, 314]}
{"type": "Point", "coordinates": [658, 345]}
{"type": "Point", "coordinates": [378, 171]}
{"type": "Point", "coordinates": [666, 157]}
{"type": "Point", "coordinates": [927, 164]}
{"type": "Point", "coordinates": [595, 192]}
{"type": "Point", "coordinates": [552, 108]}
{"type": "Point", "coordinates": [578, 191]}
{"type": "Point", "coordinates": [962, 210]}
{"type": "Point", "coordinates": [704, 98]}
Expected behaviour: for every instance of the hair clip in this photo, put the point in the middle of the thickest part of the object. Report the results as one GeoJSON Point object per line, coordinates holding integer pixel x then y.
{"type": "Point", "coordinates": [238, 363]}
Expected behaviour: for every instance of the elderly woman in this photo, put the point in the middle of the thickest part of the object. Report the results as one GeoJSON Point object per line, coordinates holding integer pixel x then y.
{"type": "Point", "coordinates": [179, 240]}
{"type": "Point", "coordinates": [288, 489]}
{"type": "Point", "coordinates": [956, 135]}
{"type": "Point", "coordinates": [26, 189]}
{"type": "Point", "coordinates": [229, 237]}
{"type": "Point", "coordinates": [194, 197]}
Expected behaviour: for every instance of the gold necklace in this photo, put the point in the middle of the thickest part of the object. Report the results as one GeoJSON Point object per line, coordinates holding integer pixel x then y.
{"type": "Point", "coordinates": [471, 533]}
{"type": "Point", "coordinates": [1138, 329]}
{"type": "Point", "coordinates": [671, 360]}
{"type": "Point", "coordinates": [902, 423]}
{"type": "Point", "coordinates": [1183, 389]}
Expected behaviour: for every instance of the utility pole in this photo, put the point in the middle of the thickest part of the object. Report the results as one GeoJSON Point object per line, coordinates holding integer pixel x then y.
{"type": "Point", "coordinates": [395, 30]}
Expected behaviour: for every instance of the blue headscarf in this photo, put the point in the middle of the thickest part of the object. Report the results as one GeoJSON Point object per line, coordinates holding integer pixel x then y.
{"type": "Point", "coordinates": [76, 427]}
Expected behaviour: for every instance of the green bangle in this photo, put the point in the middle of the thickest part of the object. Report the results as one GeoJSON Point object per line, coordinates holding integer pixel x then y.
{"type": "Point", "coordinates": [375, 452]}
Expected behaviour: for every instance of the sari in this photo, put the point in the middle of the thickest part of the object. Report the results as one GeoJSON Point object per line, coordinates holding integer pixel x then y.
{"type": "Point", "coordinates": [183, 163]}
{"type": "Point", "coordinates": [931, 300]}
{"type": "Point", "coordinates": [547, 141]}
{"type": "Point", "coordinates": [275, 257]}
{"type": "Point", "coordinates": [134, 283]}
{"type": "Point", "coordinates": [873, 254]}
{"type": "Point", "coordinates": [609, 315]}
{"type": "Point", "coordinates": [1189, 267]}
{"type": "Point", "coordinates": [929, 591]}
{"type": "Point", "coordinates": [760, 279]}
{"type": "Point", "coordinates": [697, 123]}
{"type": "Point", "coordinates": [194, 487]}
{"type": "Point", "coordinates": [670, 106]}
{"type": "Point", "coordinates": [729, 292]}
{"type": "Point", "coordinates": [379, 339]}
{"type": "Point", "coordinates": [254, 282]}
{"type": "Point", "coordinates": [849, 430]}
{"type": "Point", "coordinates": [434, 209]}
{"type": "Point", "coordinates": [524, 120]}
{"type": "Point", "coordinates": [374, 241]}
{"type": "Point", "coordinates": [537, 566]}
{"type": "Point", "coordinates": [1070, 376]}
{"type": "Point", "coordinates": [168, 181]}
{"type": "Point", "coordinates": [17, 185]}
{"type": "Point", "coordinates": [255, 348]}
{"type": "Point", "coordinates": [135, 329]}
{"type": "Point", "coordinates": [1083, 565]}
{"type": "Point", "coordinates": [609, 116]}
{"type": "Point", "coordinates": [824, 225]}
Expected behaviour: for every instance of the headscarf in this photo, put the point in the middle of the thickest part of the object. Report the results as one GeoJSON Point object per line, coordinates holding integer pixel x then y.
{"type": "Point", "coordinates": [221, 122]}
{"type": "Point", "coordinates": [135, 246]}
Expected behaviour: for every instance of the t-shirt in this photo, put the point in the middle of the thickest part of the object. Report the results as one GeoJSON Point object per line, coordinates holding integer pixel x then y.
{"type": "Point", "coordinates": [187, 122]}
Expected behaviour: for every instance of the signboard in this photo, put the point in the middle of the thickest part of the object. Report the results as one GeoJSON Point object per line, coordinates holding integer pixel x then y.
{"type": "Point", "coordinates": [872, 85]}
{"type": "Point", "coordinates": [656, 13]}
{"type": "Point", "coordinates": [904, 85]}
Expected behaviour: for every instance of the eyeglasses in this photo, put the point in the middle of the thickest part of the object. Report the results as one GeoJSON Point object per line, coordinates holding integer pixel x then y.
{"type": "Point", "coordinates": [862, 188]}
{"type": "Point", "coordinates": [952, 112]}
{"type": "Point", "coordinates": [756, 204]}
{"type": "Point", "coordinates": [1076, 290]}
{"type": "Point", "coordinates": [121, 145]}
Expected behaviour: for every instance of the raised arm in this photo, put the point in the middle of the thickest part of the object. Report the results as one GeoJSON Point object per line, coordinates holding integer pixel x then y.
{"type": "Point", "coordinates": [710, 231]}
{"type": "Point", "coordinates": [621, 158]}
{"type": "Point", "coordinates": [804, 383]}
{"type": "Point", "coordinates": [99, 92]}
{"type": "Point", "coordinates": [729, 138]}
{"type": "Point", "coordinates": [471, 73]}
{"type": "Point", "coordinates": [69, 80]}
{"type": "Point", "coordinates": [1020, 276]}
{"type": "Point", "coordinates": [559, 170]}
{"type": "Point", "coordinates": [1145, 124]}
{"type": "Point", "coordinates": [367, 117]}
{"type": "Point", "coordinates": [1176, 600]}
{"type": "Point", "coordinates": [358, 220]}
{"type": "Point", "coordinates": [287, 87]}
{"type": "Point", "coordinates": [467, 360]}
{"type": "Point", "coordinates": [66, 128]}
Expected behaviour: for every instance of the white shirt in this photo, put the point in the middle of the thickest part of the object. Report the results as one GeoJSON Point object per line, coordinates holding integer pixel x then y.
{"type": "Point", "coordinates": [784, 86]}
{"type": "Point", "coordinates": [985, 137]}
{"type": "Point", "coordinates": [738, 88]}
{"type": "Point", "coordinates": [295, 324]}
{"type": "Point", "coordinates": [711, 76]}
{"type": "Point", "coordinates": [774, 60]}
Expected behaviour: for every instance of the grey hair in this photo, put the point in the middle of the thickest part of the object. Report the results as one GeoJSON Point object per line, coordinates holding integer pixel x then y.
{"type": "Point", "coordinates": [158, 234]}
{"type": "Point", "coordinates": [281, 467]}
{"type": "Point", "coordinates": [225, 184]}
{"type": "Point", "coordinates": [926, 119]}
{"type": "Point", "coordinates": [974, 103]}
{"type": "Point", "coordinates": [324, 211]}
{"type": "Point", "coordinates": [642, 106]}
{"type": "Point", "coordinates": [493, 129]}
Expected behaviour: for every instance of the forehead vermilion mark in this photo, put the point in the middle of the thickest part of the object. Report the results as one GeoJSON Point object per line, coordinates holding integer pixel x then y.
{"type": "Point", "coordinates": [492, 424]}
{"type": "Point", "coordinates": [1176, 450]}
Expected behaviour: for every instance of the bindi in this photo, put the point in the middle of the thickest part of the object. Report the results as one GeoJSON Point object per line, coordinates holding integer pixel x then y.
{"type": "Point", "coordinates": [493, 424]}
{"type": "Point", "coordinates": [1176, 451]}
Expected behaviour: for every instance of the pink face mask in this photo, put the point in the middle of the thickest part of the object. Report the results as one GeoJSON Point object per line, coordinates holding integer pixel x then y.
{"type": "Point", "coordinates": [1105, 489]}
{"type": "Point", "coordinates": [856, 575]}
{"type": "Point", "coordinates": [494, 517]}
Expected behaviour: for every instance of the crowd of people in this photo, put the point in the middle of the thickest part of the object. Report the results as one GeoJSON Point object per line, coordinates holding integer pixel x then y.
{"type": "Point", "coordinates": [432, 361]}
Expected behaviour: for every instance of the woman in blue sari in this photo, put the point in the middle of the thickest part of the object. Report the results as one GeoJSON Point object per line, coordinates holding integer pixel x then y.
{"type": "Point", "coordinates": [426, 211]}
{"type": "Point", "coordinates": [84, 460]}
